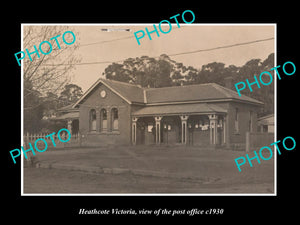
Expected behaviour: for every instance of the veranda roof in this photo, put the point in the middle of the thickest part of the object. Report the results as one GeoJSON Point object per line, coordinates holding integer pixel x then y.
{"type": "Point", "coordinates": [187, 109]}
{"type": "Point", "coordinates": [70, 115]}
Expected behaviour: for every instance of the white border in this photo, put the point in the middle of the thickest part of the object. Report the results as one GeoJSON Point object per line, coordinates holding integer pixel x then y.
{"type": "Point", "coordinates": [156, 194]}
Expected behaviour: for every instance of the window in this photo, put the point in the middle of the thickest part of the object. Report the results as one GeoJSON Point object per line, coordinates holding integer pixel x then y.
{"type": "Point", "coordinates": [236, 121]}
{"type": "Point", "coordinates": [103, 120]}
{"type": "Point", "coordinates": [265, 128]}
{"type": "Point", "coordinates": [220, 124]}
{"type": "Point", "coordinates": [93, 120]}
{"type": "Point", "coordinates": [114, 119]}
{"type": "Point", "coordinates": [169, 127]}
{"type": "Point", "coordinates": [150, 128]}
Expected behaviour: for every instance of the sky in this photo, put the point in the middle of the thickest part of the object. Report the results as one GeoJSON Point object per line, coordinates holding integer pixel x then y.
{"type": "Point", "coordinates": [96, 45]}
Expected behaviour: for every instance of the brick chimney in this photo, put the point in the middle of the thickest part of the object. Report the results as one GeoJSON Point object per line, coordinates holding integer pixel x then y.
{"type": "Point", "coordinates": [228, 82]}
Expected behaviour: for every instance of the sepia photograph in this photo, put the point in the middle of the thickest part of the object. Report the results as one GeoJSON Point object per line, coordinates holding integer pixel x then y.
{"type": "Point", "coordinates": [148, 109]}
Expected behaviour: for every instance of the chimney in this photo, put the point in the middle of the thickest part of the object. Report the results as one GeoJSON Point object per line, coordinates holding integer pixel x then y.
{"type": "Point", "coordinates": [228, 82]}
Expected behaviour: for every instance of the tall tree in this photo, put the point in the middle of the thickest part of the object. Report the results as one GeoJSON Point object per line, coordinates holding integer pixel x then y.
{"type": "Point", "coordinates": [211, 73]}
{"type": "Point", "coordinates": [70, 94]}
{"type": "Point", "coordinates": [47, 73]}
{"type": "Point", "coordinates": [32, 117]}
{"type": "Point", "coordinates": [150, 72]}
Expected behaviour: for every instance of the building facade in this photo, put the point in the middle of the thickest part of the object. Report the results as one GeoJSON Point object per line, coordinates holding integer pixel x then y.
{"type": "Point", "coordinates": [113, 112]}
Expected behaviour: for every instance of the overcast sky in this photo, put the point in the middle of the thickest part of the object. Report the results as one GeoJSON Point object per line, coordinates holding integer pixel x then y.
{"type": "Point", "coordinates": [184, 39]}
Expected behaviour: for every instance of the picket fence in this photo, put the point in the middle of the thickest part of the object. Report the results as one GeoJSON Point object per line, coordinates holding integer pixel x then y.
{"type": "Point", "coordinates": [31, 138]}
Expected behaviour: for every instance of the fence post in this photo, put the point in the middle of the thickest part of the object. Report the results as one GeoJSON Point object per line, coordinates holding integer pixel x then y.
{"type": "Point", "coordinates": [248, 141]}
{"type": "Point", "coordinates": [29, 154]}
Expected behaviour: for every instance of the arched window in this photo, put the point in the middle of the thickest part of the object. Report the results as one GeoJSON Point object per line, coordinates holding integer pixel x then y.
{"type": "Point", "coordinates": [114, 119]}
{"type": "Point", "coordinates": [93, 120]}
{"type": "Point", "coordinates": [103, 120]}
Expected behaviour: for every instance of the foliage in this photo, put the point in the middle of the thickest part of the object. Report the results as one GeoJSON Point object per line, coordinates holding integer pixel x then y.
{"type": "Point", "coordinates": [44, 76]}
{"type": "Point", "coordinates": [32, 117]}
{"type": "Point", "coordinates": [38, 119]}
{"type": "Point", "coordinates": [70, 94]}
{"type": "Point", "coordinates": [52, 71]}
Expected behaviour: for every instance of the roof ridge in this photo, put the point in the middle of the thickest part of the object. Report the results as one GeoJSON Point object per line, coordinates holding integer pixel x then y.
{"type": "Point", "coordinates": [121, 82]}
{"type": "Point", "coordinates": [189, 85]}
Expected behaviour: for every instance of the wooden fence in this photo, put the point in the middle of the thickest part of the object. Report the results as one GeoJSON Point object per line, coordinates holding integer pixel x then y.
{"type": "Point", "coordinates": [256, 140]}
{"type": "Point", "coordinates": [31, 138]}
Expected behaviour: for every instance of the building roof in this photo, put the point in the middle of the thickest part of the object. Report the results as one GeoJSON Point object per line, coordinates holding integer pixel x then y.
{"type": "Point", "coordinates": [70, 115]}
{"type": "Point", "coordinates": [187, 109]}
{"type": "Point", "coordinates": [128, 92]}
{"type": "Point", "coordinates": [134, 94]}
{"type": "Point", "coordinates": [266, 120]}
{"type": "Point", "coordinates": [67, 108]}
{"type": "Point", "coordinates": [131, 92]}
{"type": "Point", "coordinates": [196, 92]}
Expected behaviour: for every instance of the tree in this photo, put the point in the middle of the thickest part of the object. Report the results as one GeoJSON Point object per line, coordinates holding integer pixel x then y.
{"type": "Point", "coordinates": [49, 73]}
{"type": "Point", "coordinates": [32, 117]}
{"type": "Point", "coordinates": [70, 94]}
{"type": "Point", "coordinates": [150, 72]}
{"type": "Point", "coordinates": [50, 103]}
{"type": "Point", "coordinates": [211, 73]}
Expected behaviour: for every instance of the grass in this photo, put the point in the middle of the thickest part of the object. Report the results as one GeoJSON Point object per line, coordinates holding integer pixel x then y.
{"type": "Point", "coordinates": [213, 171]}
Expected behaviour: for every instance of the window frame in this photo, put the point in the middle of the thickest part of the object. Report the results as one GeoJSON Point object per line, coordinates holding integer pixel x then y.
{"type": "Point", "coordinates": [92, 122]}
{"type": "Point", "coordinates": [113, 119]}
{"type": "Point", "coordinates": [102, 129]}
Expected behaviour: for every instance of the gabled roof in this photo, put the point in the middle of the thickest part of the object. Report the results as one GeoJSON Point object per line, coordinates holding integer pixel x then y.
{"type": "Point", "coordinates": [134, 94]}
{"type": "Point", "coordinates": [128, 92]}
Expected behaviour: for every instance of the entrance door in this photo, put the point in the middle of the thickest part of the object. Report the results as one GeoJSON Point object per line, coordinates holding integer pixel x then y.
{"type": "Point", "coordinates": [171, 130]}
{"type": "Point", "coordinates": [140, 133]}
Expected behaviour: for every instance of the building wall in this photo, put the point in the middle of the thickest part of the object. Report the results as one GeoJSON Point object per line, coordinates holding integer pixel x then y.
{"type": "Point", "coordinates": [233, 137]}
{"type": "Point", "coordinates": [123, 134]}
{"type": "Point", "coordinates": [243, 121]}
{"type": "Point", "coordinates": [266, 124]}
{"type": "Point", "coordinates": [98, 137]}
